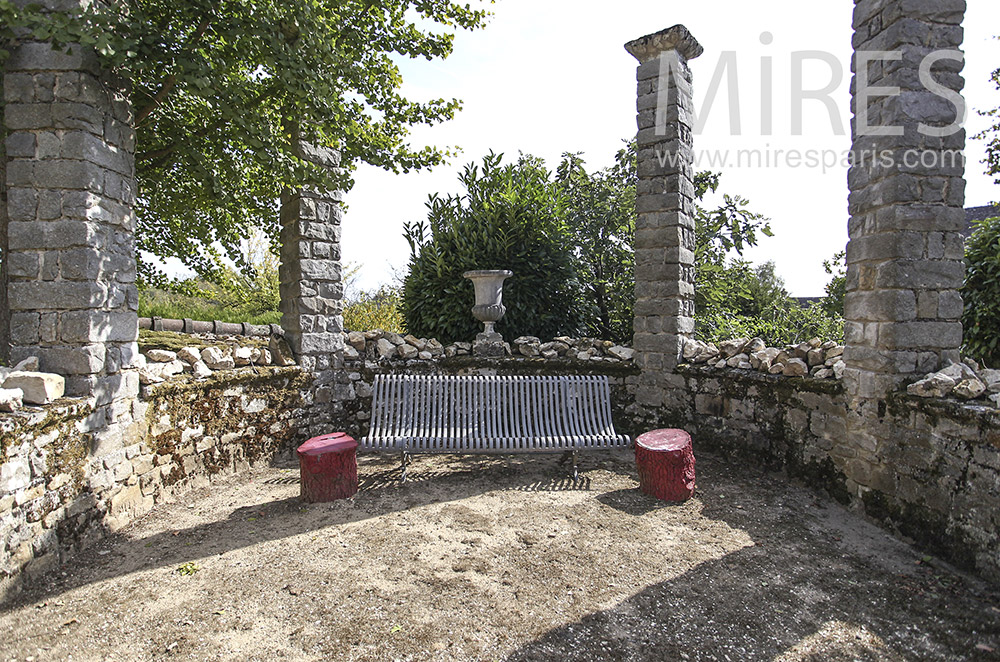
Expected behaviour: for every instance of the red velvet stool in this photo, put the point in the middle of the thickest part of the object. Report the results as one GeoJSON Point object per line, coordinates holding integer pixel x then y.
{"type": "Point", "coordinates": [665, 459]}
{"type": "Point", "coordinates": [328, 468]}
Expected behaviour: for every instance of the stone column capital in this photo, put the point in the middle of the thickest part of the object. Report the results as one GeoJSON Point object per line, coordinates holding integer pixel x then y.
{"type": "Point", "coordinates": [678, 38]}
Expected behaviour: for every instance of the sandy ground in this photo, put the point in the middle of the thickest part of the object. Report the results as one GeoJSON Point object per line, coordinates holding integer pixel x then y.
{"type": "Point", "coordinates": [504, 559]}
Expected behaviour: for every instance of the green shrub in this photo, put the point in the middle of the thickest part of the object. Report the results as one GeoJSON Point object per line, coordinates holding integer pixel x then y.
{"type": "Point", "coordinates": [378, 310]}
{"type": "Point", "coordinates": [981, 293]}
{"type": "Point", "coordinates": [782, 325]}
{"type": "Point", "coordinates": [510, 217]}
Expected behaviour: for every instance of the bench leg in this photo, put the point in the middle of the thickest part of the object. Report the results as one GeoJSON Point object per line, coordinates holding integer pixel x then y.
{"type": "Point", "coordinates": [404, 459]}
{"type": "Point", "coordinates": [571, 456]}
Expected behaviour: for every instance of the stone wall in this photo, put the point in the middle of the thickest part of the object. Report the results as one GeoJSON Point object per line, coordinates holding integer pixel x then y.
{"type": "Point", "coordinates": [936, 483]}
{"type": "Point", "coordinates": [4, 308]}
{"type": "Point", "coordinates": [939, 482]}
{"type": "Point", "coordinates": [61, 488]}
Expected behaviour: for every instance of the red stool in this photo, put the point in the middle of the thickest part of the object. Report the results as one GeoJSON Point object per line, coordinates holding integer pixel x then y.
{"type": "Point", "coordinates": [328, 468]}
{"type": "Point", "coordinates": [665, 460]}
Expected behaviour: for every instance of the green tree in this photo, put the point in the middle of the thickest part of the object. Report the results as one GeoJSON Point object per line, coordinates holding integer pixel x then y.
{"type": "Point", "coordinates": [836, 289]}
{"type": "Point", "coordinates": [511, 216]}
{"type": "Point", "coordinates": [722, 282]}
{"type": "Point", "coordinates": [224, 90]}
{"type": "Point", "coordinates": [600, 212]}
{"type": "Point", "coordinates": [981, 293]}
{"type": "Point", "coordinates": [992, 135]}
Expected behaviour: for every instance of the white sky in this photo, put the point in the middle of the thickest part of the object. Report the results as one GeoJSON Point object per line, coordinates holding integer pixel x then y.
{"type": "Point", "coordinates": [551, 76]}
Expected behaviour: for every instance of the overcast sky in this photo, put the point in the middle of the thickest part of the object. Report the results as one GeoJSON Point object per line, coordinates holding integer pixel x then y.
{"type": "Point", "coordinates": [551, 76]}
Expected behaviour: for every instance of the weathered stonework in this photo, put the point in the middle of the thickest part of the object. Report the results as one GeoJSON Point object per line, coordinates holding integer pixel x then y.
{"type": "Point", "coordinates": [905, 257]}
{"type": "Point", "coordinates": [70, 187]}
{"type": "Point", "coordinates": [664, 229]}
{"type": "Point", "coordinates": [56, 496]}
{"type": "Point", "coordinates": [311, 286]}
{"type": "Point", "coordinates": [69, 264]}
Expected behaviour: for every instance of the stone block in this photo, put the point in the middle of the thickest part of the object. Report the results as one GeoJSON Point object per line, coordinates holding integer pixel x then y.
{"type": "Point", "coordinates": [87, 326]}
{"type": "Point", "coordinates": [881, 305]}
{"type": "Point", "coordinates": [921, 334]}
{"type": "Point", "coordinates": [15, 474]}
{"type": "Point", "coordinates": [161, 356]}
{"type": "Point", "coordinates": [11, 399]}
{"type": "Point", "coordinates": [19, 144]}
{"type": "Point", "coordinates": [81, 263]}
{"type": "Point", "coordinates": [38, 56]}
{"type": "Point", "coordinates": [321, 270]}
{"type": "Point", "coordinates": [70, 116]}
{"type": "Point", "coordinates": [80, 360]}
{"type": "Point", "coordinates": [27, 116]}
{"type": "Point", "coordinates": [129, 502]}
{"type": "Point", "coordinates": [22, 204]}
{"type": "Point", "coordinates": [60, 174]}
{"type": "Point", "coordinates": [38, 388]}
{"type": "Point", "coordinates": [56, 295]}
{"type": "Point", "coordinates": [921, 274]}
{"type": "Point", "coordinates": [23, 265]}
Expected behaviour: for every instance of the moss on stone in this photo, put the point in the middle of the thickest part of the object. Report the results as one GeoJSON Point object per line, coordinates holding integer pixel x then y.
{"type": "Point", "coordinates": [192, 402]}
{"type": "Point", "coordinates": [56, 416]}
{"type": "Point", "coordinates": [175, 342]}
{"type": "Point", "coordinates": [978, 415]}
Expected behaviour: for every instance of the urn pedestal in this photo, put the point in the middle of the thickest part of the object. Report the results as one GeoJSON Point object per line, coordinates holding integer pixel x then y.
{"type": "Point", "coordinates": [489, 310]}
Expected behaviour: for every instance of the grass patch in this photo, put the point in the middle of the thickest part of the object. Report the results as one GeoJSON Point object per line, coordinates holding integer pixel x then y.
{"type": "Point", "coordinates": [173, 305]}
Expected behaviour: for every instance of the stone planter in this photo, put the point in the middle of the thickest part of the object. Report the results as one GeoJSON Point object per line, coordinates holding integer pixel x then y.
{"type": "Point", "coordinates": [489, 307]}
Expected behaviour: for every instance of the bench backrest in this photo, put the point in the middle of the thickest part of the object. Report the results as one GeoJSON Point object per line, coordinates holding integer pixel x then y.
{"type": "Point", "coordinates": [499, 414]}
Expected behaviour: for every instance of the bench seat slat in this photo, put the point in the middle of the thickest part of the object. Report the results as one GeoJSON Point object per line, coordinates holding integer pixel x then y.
{"type": "Point", "coordinates": [477, 414]}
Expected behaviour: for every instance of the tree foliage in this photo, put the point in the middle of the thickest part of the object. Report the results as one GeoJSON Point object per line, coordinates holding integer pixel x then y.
{"type": "Point", "coordinates": [380, 309]}
{"type": "Point", "coordinates": [836, 289]}
{"type": "Point", "coordinates": [600, 214]}
{"type": "Point", "coordinates": [722, 281]}
{"type": "Point", "coordinates": [224, 90]}
{"type": "Point", "coordinates": [992, 135]}
{"type": "Point", "coordinates": [578, 273]}
{"type": "Point", "coordinates": [511, 216]}
{"type": "Point", "coordinates": [981, 293]}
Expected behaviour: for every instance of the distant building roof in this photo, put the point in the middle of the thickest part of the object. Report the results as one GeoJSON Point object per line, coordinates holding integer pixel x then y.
{"type": "Point", "coordinates": [973, 214]}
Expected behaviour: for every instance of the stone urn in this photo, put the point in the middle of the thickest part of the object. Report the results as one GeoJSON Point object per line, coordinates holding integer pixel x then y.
{"type": "Point", "coordinates": [489, 296]}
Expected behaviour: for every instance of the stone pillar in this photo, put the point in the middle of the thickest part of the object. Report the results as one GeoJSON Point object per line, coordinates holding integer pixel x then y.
{"type": "Point", "coordinates": [70, 188]}
{"type": "Point", "coordinates": [311, 287]}
{"type": "Point", "coordinates": [4, 309]}
{"type": "Point", "coordinates": [904, 260]}
{"type": "Point", "coordinates": [664, 229]}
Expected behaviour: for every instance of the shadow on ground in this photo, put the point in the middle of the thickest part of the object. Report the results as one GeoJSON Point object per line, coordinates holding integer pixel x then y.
{"type": "Point", "coordinates": [381, 491]}
{"type": "Point", "coordinates": [831, 587]}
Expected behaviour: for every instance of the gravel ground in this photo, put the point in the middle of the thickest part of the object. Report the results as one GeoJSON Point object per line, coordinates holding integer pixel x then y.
{"type": "Point", "coordinates": [487, 558]}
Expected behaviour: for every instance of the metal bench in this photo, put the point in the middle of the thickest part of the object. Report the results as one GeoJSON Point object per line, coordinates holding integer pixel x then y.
{"type": "Point", "coordinates": [474, 414]}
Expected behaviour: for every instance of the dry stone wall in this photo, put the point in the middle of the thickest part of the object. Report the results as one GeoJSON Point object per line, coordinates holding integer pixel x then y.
{"type": "Point", "coordinates": [60, 492]}
{"type": "Point", "coordinates": [935, 481]}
